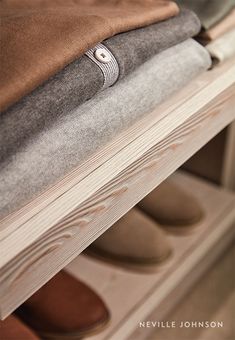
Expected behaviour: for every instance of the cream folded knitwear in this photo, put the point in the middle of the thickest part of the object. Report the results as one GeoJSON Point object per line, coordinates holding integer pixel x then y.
{"type": "Point", "coordinates": [222, 48]}
{"type": "Point", "coordinates": [72, 138]}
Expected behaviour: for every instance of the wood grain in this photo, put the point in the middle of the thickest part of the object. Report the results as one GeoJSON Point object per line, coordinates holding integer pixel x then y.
{"type": "Point", "coordinates": [43, 237]}
{"type": "Point", "coordinates": [132, 296]}
{"type": "Point", "coordinates": [190, 99]}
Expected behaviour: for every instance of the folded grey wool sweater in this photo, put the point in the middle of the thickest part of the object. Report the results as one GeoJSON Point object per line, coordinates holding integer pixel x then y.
{"type": "Point", "coordinates": [73, 138]}
{"type": "Point", "coordinates": [82, 79]}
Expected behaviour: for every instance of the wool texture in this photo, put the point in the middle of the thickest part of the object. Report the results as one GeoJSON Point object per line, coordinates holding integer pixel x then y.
{"type": "Point", "coordinates": [40, 37]}
{"type": "Point", "coordinates": [82, 79]}
{"type": "Point", "coordinates": [73, 138]}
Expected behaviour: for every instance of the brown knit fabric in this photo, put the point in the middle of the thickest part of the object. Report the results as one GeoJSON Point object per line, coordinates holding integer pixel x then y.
{"type": "Point", "coordinates": [13, 329]}
{"type": "Point", "coordinates": [40, 37]}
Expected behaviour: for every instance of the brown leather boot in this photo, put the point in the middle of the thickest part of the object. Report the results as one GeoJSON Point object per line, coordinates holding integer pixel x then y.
{"type": "Point", "coordinates": [171, 206]}
{"type": "Point", "coordinates": [13, 329]}
{"type": "Point", "coordinates": [65, 308]}
{"type": "Point", "coordinates": [135, 242]}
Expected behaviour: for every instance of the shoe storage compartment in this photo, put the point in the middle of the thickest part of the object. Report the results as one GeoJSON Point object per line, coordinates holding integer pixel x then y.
{"type": "Point", "coordinates": [43, 237]}
{"type": "Point", "coordinates": [132, 296]}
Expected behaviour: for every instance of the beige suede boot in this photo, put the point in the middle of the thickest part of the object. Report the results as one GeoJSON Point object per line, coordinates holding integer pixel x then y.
{"type": "Point", "coordinates": [171, 206]}
{"type": "Point", "coordinates": [135, 241]}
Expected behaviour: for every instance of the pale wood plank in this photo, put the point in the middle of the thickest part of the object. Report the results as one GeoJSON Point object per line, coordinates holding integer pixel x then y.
{"type": "Point", "coordinates": [117, 144]}
{"type": "Point", "coordinates": [66, 203]}
{"type": "Point", "coordinates": [47, 242]}
{"type": "Point", "coordinates": [132, 296]}
{"type": "Point", "coordinates": [228, 172]}
{"type": "Point", "coordinates": [56, 248]}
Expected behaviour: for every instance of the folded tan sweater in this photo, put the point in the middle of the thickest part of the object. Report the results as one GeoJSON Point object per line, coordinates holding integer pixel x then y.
{"type": "Point", "coordinates": [40, 37]}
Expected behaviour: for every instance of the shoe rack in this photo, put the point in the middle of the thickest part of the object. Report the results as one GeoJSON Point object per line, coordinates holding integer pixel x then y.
{"type": "Point", "coordinates": [47, 234]}
{"type": "Point", "coordinates": [133, 296]}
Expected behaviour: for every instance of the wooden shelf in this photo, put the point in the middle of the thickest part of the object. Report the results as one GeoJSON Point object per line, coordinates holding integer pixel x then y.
{"type": "Point", "coordinates": [45, 235]}
{"type": "Point", "coordinates": [132, 296]}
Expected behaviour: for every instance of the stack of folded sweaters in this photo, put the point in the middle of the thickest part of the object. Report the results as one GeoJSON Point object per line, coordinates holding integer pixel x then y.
{"type": "Point", "coordinates": [76, 73]}
{"type": "Point", "coordinates": [218, 26]}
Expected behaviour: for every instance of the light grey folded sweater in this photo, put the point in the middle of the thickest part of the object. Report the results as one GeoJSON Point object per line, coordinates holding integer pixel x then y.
{"type": "Point", "coordinates": [72, 138]}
